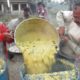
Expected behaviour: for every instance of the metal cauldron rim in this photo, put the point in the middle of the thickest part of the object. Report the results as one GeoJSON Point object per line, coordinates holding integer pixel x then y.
{"type": "Point", "coordinates": [33, 19]}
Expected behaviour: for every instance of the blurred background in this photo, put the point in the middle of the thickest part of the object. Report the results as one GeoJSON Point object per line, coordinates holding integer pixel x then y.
{"type": "Point", "coordinates": [10, 9]}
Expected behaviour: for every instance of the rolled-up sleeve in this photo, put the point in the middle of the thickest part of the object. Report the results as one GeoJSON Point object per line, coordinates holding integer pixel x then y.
{"type": "Point", "coordinates": [60, 19]}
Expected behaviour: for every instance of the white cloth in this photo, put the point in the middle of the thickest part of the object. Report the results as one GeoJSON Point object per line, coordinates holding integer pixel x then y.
{"type": "Point", "coordinates": [65, 19]}
{"type": "Point", "coordinates": [13, 23]}
{"type": "Point", "coordinates": [14, 49]}
{"type": "Point", "coordinates": [74, 31]}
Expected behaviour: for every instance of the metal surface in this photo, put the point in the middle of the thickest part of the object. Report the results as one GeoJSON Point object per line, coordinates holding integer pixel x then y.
{"type": "Point", "coordinates": [38, 41]}
{"type": "Point", "coordinates": [38, 25]}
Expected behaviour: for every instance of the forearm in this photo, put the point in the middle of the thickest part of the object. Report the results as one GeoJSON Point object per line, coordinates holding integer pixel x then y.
{"type": "Point", "coordinates": [74, 47]}
{"type": "Point", "coordinates": [10, 40]}
{"type": "Point", "coordinates": [60, 22]}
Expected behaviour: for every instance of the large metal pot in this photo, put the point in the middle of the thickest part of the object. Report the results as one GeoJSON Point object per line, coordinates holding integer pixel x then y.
{"type": "Point", "coordinates": [32, 31]}
{"type": "Point", "coordinates": [39, 25]}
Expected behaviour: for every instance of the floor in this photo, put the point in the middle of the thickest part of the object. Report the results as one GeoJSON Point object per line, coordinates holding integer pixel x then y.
{"type": "Point", "coordinates": [14, 67]}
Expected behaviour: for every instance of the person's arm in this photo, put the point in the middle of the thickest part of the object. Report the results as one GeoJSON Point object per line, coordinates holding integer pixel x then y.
{"type": "Point", "coordinates": [74, 47]}
{"type": "Point", "coordinates": [62, 18]}
{"type": "Point", "coordinates": [8, 38]}
{"type": "Point", "coordinates": [5, 34]}
{"type": "Point", "coordinates": [60, 22]}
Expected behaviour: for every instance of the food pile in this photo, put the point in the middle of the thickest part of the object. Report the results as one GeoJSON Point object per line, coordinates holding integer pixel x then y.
{"type": "Point", "coordinates": [63, 75]}
{"type": "Point", "coordinates": [39, 56]}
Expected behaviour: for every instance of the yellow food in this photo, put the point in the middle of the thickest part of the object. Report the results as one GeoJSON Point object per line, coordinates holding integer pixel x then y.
{"type": "Point", "coordinates": [38, 56]}
{"type": "Point", "coordinates": [62, 75]}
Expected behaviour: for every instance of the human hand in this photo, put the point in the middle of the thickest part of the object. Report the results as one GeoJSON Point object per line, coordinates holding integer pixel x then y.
{"type": "Point", "coordinates": [12, 33]}
{"type": "Point", "coordinates": [7, 36]}
{"type": "Point", "coordinates": [65, 38]}
{"type": "Point", "coordinates": [61, 31]}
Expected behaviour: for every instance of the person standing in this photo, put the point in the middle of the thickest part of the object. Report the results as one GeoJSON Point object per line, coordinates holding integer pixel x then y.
{"type": "Point", "coordinates": [41, 10]}
{"type": "Point", "coordinates": [12, 26]}
{"type": "Point", "coordinates": [5, 37]}
{"type": "Point", "coordinates": [69, 31]}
